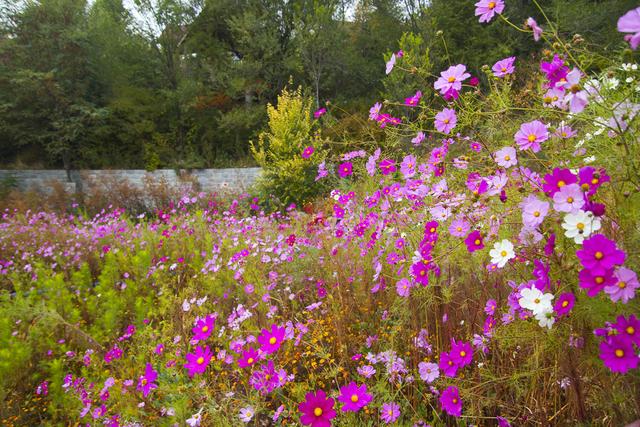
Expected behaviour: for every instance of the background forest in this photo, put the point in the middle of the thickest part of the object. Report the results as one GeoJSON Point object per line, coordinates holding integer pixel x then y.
{"type": "Point", "coordinates": [185, 83]}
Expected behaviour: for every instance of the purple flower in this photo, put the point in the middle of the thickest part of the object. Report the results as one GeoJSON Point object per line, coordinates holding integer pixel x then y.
{"type": "Point", "coordinates": [461, 353]}
{"type": "Point", "coordinates": [486, 9]}
{"type": "Point", "coordinates": [408, 166]}
{"type": "Point", "coordinates": [429, 372]}
{"type": "Point", "coordinates": [366, 371]}
{"type": "Point", "coordinates": [391, 63]}
{"type": "Point", "coordinates": [594, 283]}
{"type": "Point", "coordinates": [504, 67]}
{"type": "Point", "coordinates": [459, 227]}
{"type": "Point", "coordinates": [307, 152]}
{"type": "Point", "coordinates": [447, 365]}
{"type": "Point", "coordinates": [574, 95]}
{"type": "Point", "coordinates": [506, 157]}
{"type": "Point", "coordinates": [557, 179]}
{"type": "Point", "coordinates": [630, 23]}
{"type": "Point", "coordinates": [146, 381]}
{"type": "Point", "coordinates": [414, 100]}
{"type": "Point", "coordinates": [389, 412]}
{"type": "Point", "coordinates": [591, 179]}
{"type": "Point", "coordinates": [451, 79]}
{"type": "Point", "coordinates": [531, 134]}
{"type": "Point", "coordinates": [564, 304]}
{"type": "Point", "coordinates": [446, 120]}
{"type": "Point", "coordinates": [599, 254]}
{"type": "Point", "coordinates": [555, 70]}
{"type": "Point", "coordinates": [628, 329]}
{"type": "Point", "coordinates": [625, 288]}
{"type": "Point", "coordinates": [317, 410]}
{"type": "Point", "coordinates": [387, 166]}
{"type": "Point", "coordinates": [270, 341]}
{"type": "Point", "coordinates": [618, 355]}
{"type": "Point", "coordinates": [403, 287]}
{"type": "Point", "coordinates": [249, 358]}
{"type": "Point", "coordinates": [490, 307]}
{"type": "Point", "coordinates": [450, 401]}
{"type": "Point", "coordinates": [319, 113]}
{"type": "Point", "coordinates": [418, 138]}
{"type": "Point", "coordinates": [354, 397]}
{"type": "Point", "coordinates": [474, 241]}
{"type": "Point", "coordinates": [537, 31]}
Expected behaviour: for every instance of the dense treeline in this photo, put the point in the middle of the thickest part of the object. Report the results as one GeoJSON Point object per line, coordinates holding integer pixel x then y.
{"type": "Point", "coordinates": [184, 83]}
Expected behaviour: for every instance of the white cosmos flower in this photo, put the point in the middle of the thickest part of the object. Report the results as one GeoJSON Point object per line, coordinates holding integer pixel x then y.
{"type": "Point", "coordinates": [578, 226]}
{"type": "Point", "coordinates": [533, 299]}
{"type": "Point", "coordinates": [546, 319]}
{"type": "Point", "coordinates": [502, 252]}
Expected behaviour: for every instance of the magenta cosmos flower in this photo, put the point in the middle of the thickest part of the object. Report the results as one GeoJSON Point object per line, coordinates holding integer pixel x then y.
{"type": "Point", "coordinates": [389, 412]}
{"type": "Point", "coordinates": [618, 355]}
{"type": "Point", "coordinates": [461, 353]}
{"type": "Point", "coordinates": [146, 381]}
{"type": "Point", "coordinates": [506, 157]}
{"type": "Point", "coordinates": [628, 329]}
{"type": "Point", "coordinates": [319, 113]}
{"type": "Point", "coordinates": [450, 401]}
{"type": "Point", "coordinates": [564, 304]}
{"type": "Point", "coordinates": [474, 241]}
{"type": "Point", "coordinates": [198, 361]}
{"type": "Point", "coordinates": [557, 179]}
{"type": "Point", "coordinates": [307, 152]}
{"type": "Point", "coordinates": [414, 100]}
{"type": "Point", "coordinates": [555, 70]}
{"type": "Point", "coordinates": [537, 31]}
{"type": "Point", "coordinates": [599, 254]}
{"type": "Point", "coordinates": [448, 365]}
{"type": "Point", "coordinates": [249, 358]}
{"type": "Point", "coordinates": [387, 166]}
{"type": "Point", "coordinates": [504, 67]}
{"type": "Point", "coordinates": [486, 9]}
{"type": "Point", "coordinates": [203, 328]}
{"type": "Point", "coordinates": [451, 79]}
{"type": "Point", "coordinates": [594, 283]}
{"type": "Point", "coordinates": [345, 169]}
{"type": "Point", "coordinates": [270, 341]}
{"type": "Point", "coordinates": [354, 397]}
{"type": "Point", "coordinates": [531, 135]}
{"type": "Point", "coordinates": [630, 23]}
{"type": "Point", "coordinates": [317, 410]}
{"type": "Point", "coordinates": [446, 120]}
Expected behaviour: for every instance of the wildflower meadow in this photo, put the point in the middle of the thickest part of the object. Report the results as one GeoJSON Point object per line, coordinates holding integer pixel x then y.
{"type": "Point", "coordinates": [473, 262]}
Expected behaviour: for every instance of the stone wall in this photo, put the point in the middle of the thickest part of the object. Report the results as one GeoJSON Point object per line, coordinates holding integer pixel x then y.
{"type": "Point", "coordinates": [207, 180]}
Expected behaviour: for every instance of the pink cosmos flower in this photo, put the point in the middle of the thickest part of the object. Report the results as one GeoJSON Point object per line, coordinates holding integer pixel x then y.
{"type": "Point", "coordinates": [429, 372]}
{"type": "Point", "coordinates": [198, 361]}
{"type": "Point", "coordinates": [474, 241]}
{"type": "Point", "coordinates": [595, 282]}
{"type": "Point", "coordinates": [564, 304]}
{"type": "Point", "coordinates": [486, 9]}
{"type": "Point", "coordinates": [504, 67]}
{"type": "Point", "coordinates": [319, 113]}
{"type": "Point", "coordinates": [575, 97]}
{"type": "Point", "coordinates": [307, 152]}
{"type": "Point", "coordinates": [345, 169]}
{"type": "Point", "coordinates": [317, 410]}
{"type": "Point", "coordinates": [403, 287]}
{"type": "Point", "coordinates": [408, 166]}
{"type": "Point", "coordinates": [569, 198]}
{"type": "Point", "coordinates": [447, 365]}
{"type": "Point", "coordinates": [625, 288]}
{"type": "Point", "coordinates": [600, 254]}
{"type": "Point", "coordinates": [557, 179]}
{"type": "Point", "coordinates": [534, 211]}
{"type": "Point", "coordinates": [450, 401]}
{"type": "Point", "coordinates": [459, 227]}
{"type": "Point", "coordinates": [537, 31]}
{"type": "Point", "coordinates": [630, 23]}
{"type": "Point", "coordinates": [203, 328]}
{"type": "Point", "coordinates": [554, 97]}
{"type": "Point", "coordinates": [375, 111]}
{"type": "Point", "coordinates": [565, 132]}
{"type": "Point", "coordinates": [270, 341]}
{"type": "Point", "coordinates": [628, 329]}
{"type": "Point", "coordinates": [354, 397]}
{"type": "Point", "coordinates": [146, 381]}
{"type": "Point", "coordinates": [461, 353]}
{"type": "Point", "coordinates": [555, 70]}
{"type": "Point", "coordinates": [531, 134]}
{"type": "Point", "coordinates": [451, 79]}
{"type": "Point", "coordinates": [389, 412]}
{"type": "Point", "coordinates": [387, 166]}
{"type": "Point", "coordinates": [506, 157]}
{"type": "Point", "coordinates": [418, 138]}
{"type": "Point", "coordinates": [322, 171]}
{"type": "Point", "coordinates": [391, 63]}
{"type": "Point", "coordinates": [446, 120]}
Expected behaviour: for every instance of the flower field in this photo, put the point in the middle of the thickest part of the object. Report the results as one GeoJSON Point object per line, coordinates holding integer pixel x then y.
{"type": "Point", "coordinates": [477, 267]}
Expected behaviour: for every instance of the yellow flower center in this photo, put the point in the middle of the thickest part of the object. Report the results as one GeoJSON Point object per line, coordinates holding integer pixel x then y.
{"type": "Point", "coordinates": [205, 328]}
{"type": "Point", "coordinates": [459, 228]}
{"type": "Point", "coordinates": [463, 353]}
{"type": "Point", "coordinates": [476, 242]}
{"type": "Point", "coordinates": [503, 69]}
{"type": "Point", "coordinates": [599, 255]}
{"type": "Point", "coordinates": [565, 303]}
{"type": "Point", "coordinates": [422, 272]}
{"type": "Point", "coordinates": [594, 181]}
{"type": "Point", "coordinates": [200, 360]}
{"type": "Point", "coordinates": [630, 330]}
{"type": "Point", "coordinates": [622, 285]}
{"type": "Point", "coordinates": [317, 412]}
{"type": "Point", "coordinates": [619, 352]}
{"type": "Point", "coordinates": [491, 5]}
{"type": "Point", "coordinates": [503, 253]}
{"type": "Point", "coordinates": [531, 137]}
{"type": "Point", "coordinates": [569, 199]}
{"type": "Point", "coordinates": [580, 226]}
{"type": "Point", "coordinates": [144, 381]}
{"type": "Point", "coordinates": [250, 361]}
{"type": "Point", "coordinates": [584, 186]}
{"type": "Point", "coordinates": [507, 158]}
{"type": "Point", "coordinates": [432, 230]}
{"type": "Point", "coordinates": [354, 398]}
{"type": "Point", "coordinates": [451, 79]}
{"type": "Point", "coordinates": [561, 184]}
{"type": "Point", "coordinates": [390, 412]}
{"type": "Point", "coordinates": [599, 280]}
{"type": "Point", "coordinates": [446, 121]}
{"type": "Point", "coordinates": [537, 300]}
{"type": "Point", "coordinates": [454, 400]}
{"type": "Point", "coordinates": [272, 340]}
{"type": "Point", "coordinates": [536, 214]}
